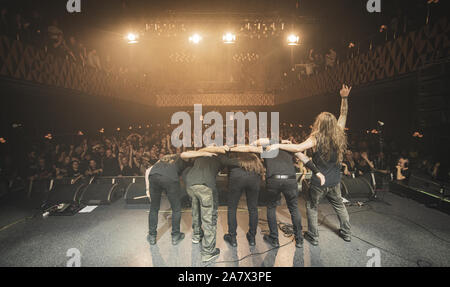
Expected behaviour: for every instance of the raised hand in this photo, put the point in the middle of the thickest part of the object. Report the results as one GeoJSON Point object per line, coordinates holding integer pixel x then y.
{"type": "Point", "coordinates": [345, 91]}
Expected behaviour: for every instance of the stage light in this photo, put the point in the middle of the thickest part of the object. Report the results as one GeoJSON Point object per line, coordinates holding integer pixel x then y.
{"type": "Point", "coordinates": [2, 140]}
{"type": "Point", "coordinates": [293, 40]}
{"type": "Point", "coordinates": [229, 38]}
{"type": "Point", "coordinates": [195, 39]}
{"type": "Point", "coordinates": [132, 38]}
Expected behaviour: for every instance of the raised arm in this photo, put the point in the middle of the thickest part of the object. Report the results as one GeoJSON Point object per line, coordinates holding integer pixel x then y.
{"type": "Point", "coordinates": [247, 148]}
{"type": "Point", "coordinates": [215, 149]}
{"type": "Point", "coordinates": [309, 143]}
{"type": "Point", "coordinates": [345, 91]}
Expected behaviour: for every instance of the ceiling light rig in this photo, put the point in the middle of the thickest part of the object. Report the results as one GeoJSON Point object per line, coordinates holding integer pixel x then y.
{"type": "Point", "coordinates": [195, 39]}
{"type": "Point", "coordinates": [229, 38]}
{"type": "Point", "coordinates": [293, 40]}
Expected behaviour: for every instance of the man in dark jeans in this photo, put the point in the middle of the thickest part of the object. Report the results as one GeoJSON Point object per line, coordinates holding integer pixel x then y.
{"type": "Point", "coordinates": [164, 177]}
{"type": "Point", "coordinates": [281, 179]}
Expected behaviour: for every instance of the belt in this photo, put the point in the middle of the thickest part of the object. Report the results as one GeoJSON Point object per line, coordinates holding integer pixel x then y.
{"type": "Point", "coordinates": [283, 176]}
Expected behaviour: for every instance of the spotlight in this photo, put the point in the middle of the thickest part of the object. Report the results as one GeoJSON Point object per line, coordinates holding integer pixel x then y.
{"type": "Point", "coordinates": [132, 38]}
{"type": "Point", "coordinates": [229, 38]}
{"type": "Point", "coordinates": [293, 40]}
{"type": "Point", "coordinates": [195, 39]}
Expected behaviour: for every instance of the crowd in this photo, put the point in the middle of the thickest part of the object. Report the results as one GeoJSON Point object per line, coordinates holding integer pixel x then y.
{"type": "Point", "coordinates": [130, 154]}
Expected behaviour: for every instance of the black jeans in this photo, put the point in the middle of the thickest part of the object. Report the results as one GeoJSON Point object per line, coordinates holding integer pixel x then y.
{"type": "Point", "coordinates": [333, 194]}
{"type": "Point", "coordinates": [287, 187]}
{"type": "Point", "coordinates": [249, 184]}
{"type": "Point", "coordinates": [159, 184]}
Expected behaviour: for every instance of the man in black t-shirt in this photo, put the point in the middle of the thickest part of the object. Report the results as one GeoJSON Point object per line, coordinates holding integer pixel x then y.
{"type": "Point", "coordinates": [201, 187]}
{"type": "Point", "coordinates": [110, 164]}
{"type": "Point", "coordinates": [281, 179]}
{"type": "Point", "coordinates": [164, 176]}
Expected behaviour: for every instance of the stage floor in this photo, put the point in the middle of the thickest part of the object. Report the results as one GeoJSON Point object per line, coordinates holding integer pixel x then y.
{"type": "Point", "coordinates": [405, 232]}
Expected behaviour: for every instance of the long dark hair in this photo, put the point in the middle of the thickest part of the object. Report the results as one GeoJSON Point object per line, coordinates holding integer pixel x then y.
{"type": "Point", "coordinates": [329, 136]}
{"type": "Point", "coordinates": [249, 162]}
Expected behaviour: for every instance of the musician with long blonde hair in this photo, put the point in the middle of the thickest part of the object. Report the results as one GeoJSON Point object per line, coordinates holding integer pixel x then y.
{"type": "Point", "coordinates": [329, 143]}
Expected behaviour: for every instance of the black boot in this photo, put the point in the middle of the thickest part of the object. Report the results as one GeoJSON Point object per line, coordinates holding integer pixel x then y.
{"type": "Point", "coordinates": [151, 239]}
{"type": "Point", "coordinates": [251, 239]}
{"type": "Point", "coordinates": [177, 238]}
{"type": "Point", "coordinates": [346, 237]}
{"type": "Point", "coordinates": [310, 239]}
{"type": "Point", "coordinates": [271, 241]}
{"type": "Point", "coordinates": [230, 239]}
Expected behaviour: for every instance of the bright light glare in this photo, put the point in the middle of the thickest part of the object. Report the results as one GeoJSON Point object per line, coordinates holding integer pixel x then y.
{"type": "Point", "coordinates": [229, 38]}
{"type": "Point", "coordinates": [293, 40]}
{"type": "Point", "coordinates": [195, 39]}
{"type": "Point", "coordinates": [132, 38]}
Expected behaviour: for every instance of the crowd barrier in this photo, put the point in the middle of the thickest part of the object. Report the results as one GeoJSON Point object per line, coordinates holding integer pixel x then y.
{"type": "Point", "coordinates": [106, 190]}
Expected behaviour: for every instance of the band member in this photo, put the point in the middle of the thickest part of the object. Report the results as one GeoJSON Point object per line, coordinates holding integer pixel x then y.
{"type": "Point", "coordinates": [244, 178]}
{"type": "Point", "coordinates": [164, 176]}
{"type": "Point", "coordinates": [281, 179]}
{"type": "Point", "coordinates": [329, 143]}
{"type": "Point", "coordinates": [201, 187]}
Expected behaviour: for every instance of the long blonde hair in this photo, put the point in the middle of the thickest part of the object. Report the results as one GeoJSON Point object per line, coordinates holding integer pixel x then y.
{"type": "Point", "coordinates": [329, 136]}
{"type": "Point", "coordinates": [249, 162]}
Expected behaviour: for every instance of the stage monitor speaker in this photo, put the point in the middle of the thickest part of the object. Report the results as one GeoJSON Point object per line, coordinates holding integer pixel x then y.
{"type": "Point", "coordinates": [359, 187]}
{"type": "Point", "coordinates": [102, 191]}
{"type": "Point", "coordinates": [135, 192]}
{"type": "Point", "coordinates": [428, 185]}
{"type": "Point", "coordinates": [65, 191]}
{"type": "Point", "coordinates": [38, 191]}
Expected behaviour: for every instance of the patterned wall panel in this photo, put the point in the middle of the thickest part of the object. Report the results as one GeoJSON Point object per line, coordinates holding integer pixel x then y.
{"type": "Point", "coordinates": [21, 61]}
{"type": "Point", "coordinates": [403, 55]}
{"type": "Point", "coordinates": [244, 99]}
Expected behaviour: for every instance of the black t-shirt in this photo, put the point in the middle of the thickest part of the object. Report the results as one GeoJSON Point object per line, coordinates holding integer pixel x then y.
{"type": "Point", "coordinates": [170, 170]}
{"type": "Point", "coordinates": [74, 173]}
{"type": "Point", "coordinates": [205, 169]}
{"type": "Point", "coordinates": [110, 166]}
{"type": "Point", "coordinates": [128, 171]}
{"type": "Point", "coordinates": [331, 169]}
{"type": "Point", "coordinates": [282, 164]}
{"type": "Point", "coordinates": [240, 172]}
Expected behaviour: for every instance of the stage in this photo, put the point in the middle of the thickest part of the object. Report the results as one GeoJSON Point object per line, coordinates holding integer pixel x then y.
{"type": "Point", "coordinates": [405, 232]}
